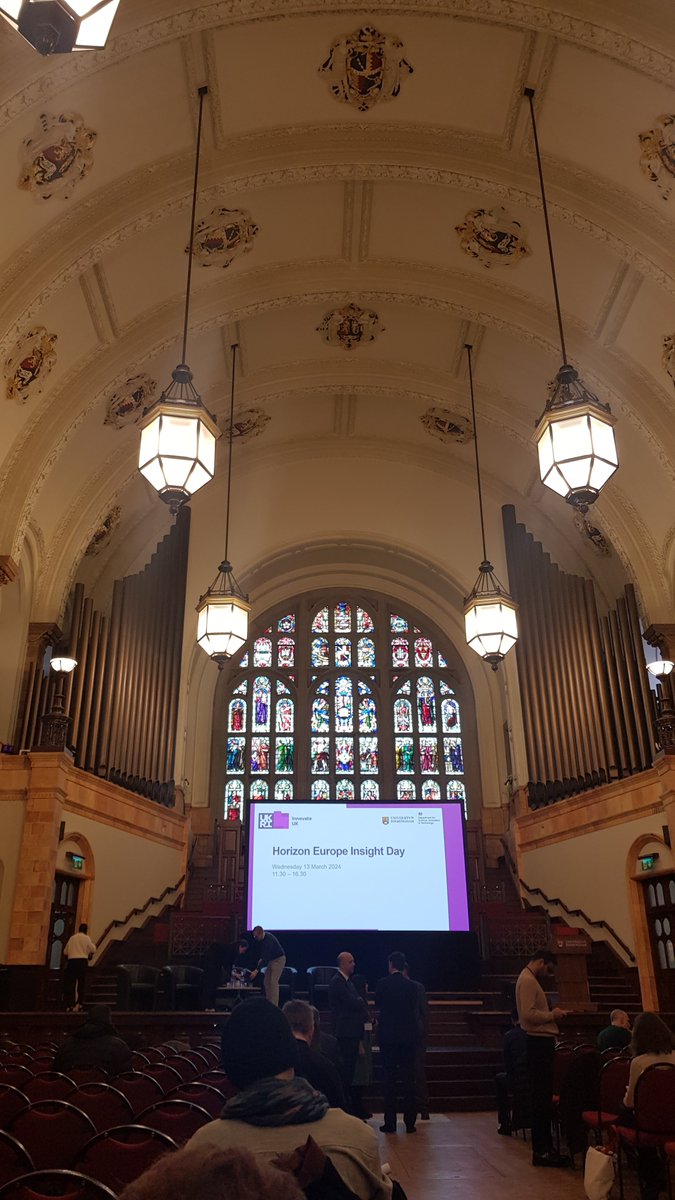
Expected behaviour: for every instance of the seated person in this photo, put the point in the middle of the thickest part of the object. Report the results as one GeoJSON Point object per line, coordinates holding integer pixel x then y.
{"type": "Point", "coordinates": [311, 1064]}
{"type": "Point", "coordinates": [212, 1174]}
{"type": "Point", "coordinates": [326, 1043]}
{"type": "Point", "coordinates": [94, 1044]}
{"type": "Point", "coordinates": [275, 1112]}
{"type": "Point", "coordinates": [652, 1043]}
{"type": "Point", "coordinates": [616, 1035]}
{"type": "Point", "coordinates": [512, 1084]}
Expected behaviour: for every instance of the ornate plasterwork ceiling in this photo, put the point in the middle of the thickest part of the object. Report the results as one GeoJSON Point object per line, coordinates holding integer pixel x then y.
{"type": "Point", "coordinates": [368, 186]}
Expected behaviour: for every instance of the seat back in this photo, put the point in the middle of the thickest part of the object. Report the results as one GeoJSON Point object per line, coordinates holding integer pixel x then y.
{"type": "Point", "coordinates": [199, 1059]}
{"type": "Point", "coordinates": [50, 1085]}
{"type": "Point", "coordinates": [318, 979]}
{"type": "Point", "coordinates": [140, 1090]}
{"type": "Point", "coordinates": [118, 1156]}
{"type": "Point", "coordinates": [11, 1102]}
{"type": "Point", "coordinates": [104, 1105]}
{"type": "Point", "coordinates": [210, 1053]}
{"type": "Point", "coordinates": [16, 1076]}
{"type": "Point", "coordinates": [167, 1076]}
{"type": "Point", "coordinates": [52, 1131]}
{"type": "Point", "coordinates": [88, 1075]}
{"type": "Point", "coordinates": [613, 1083]}
{"type": "Point", "coordinates": [202, 1094]}
{"type": "Point", "coordinates": [179, 1118]}
{"type": "Point", "coordinates": [185, 1068]}
{"type": "Point", "coordinates": [655, 1101]}
{"type": "Point", "coordinates": [220, 1081]}
{"type": "Point", "coordinates": [14, 1158]}
{"type": "Point", "coordinates": [68, 1185]}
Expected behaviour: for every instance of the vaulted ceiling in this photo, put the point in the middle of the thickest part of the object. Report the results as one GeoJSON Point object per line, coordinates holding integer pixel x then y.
{"type": "Point", "coordinates": [334, 204]}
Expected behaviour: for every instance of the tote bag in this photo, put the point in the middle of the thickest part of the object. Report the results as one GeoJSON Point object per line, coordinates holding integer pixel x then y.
{"type": "Point", "coordinates": [599, 1171]}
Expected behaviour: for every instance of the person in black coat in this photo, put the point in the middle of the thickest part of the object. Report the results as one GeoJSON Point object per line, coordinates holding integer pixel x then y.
{"type": "Point", "coordinates": [349, 1016]}
{"type": "Point", "coordinates": [396, 1000]}
{"type": "Point", "coordinates": [94, 1044]}
{"type": "Point", "coordinates": [311, 1064]}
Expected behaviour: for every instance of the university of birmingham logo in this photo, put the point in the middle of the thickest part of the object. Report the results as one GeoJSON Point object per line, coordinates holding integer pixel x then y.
{"type": "Point", "coordinates": [385, 820]}
{"type": "Point", "coordinates": [273, 820]}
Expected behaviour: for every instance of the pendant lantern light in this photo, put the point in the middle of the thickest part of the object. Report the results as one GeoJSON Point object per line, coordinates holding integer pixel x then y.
{"type": "Point", "coordinates": [178, 436]}
{"type": "Point", "coordinates": [59, 26]}
{"type": "Point", "coordinates": [575, 434]}
{"type": "Point", "coordinates": [223, 610]}
{"type": "Point", "coordinates": [490, 615]}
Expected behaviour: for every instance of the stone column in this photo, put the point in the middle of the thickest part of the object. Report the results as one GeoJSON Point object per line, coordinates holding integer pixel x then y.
{"type": "Point", "coordinates": [45, 796]}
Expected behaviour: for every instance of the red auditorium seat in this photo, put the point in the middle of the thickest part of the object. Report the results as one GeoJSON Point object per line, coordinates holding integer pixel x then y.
{"type": "Point", "coordinates": [15, 1076]}
{"type": "Point", "coordinates": [211, 1055]}
{"type": "Point", "coordinates": [179, 1118]}
{"type": "Point", "coordinates": [185, 1068]}
{"type": "Point", "coordinates": [11, 1102]}
{"type": "Point", "coordinates": [19, 1058]}
{"type": "Point", "coordinates": [612, 1089]}
{"type": "Point", "coordinates": [50, 1085]}
{"type": "Point", "coordinates": [167, 1077]}
{"type": "Point", "coordinates": [103, 1104]}
{"type": "Point", "coordinates": [654, 1113]}
{"type": "Point", "coordinates": [140, 1090]}
{"type": "Point", "coordinates": [120, 1155]}
{"type": "Point", "coordinates": [203, 1094]}
{"type": "Point", "coordinates": [14, 1158]}
{"type": "Point", "coordinates": [81, 1075]}
{"type": "Point", "coordinates": [155, 1053]}
{"type": "Point", "coordinates": [52, 1132]}
{"type": "Point", "coordinates": [68, 1185]}
{"type": "Point", "coordinates": [199, 1060]}
{"type": "Point", "coordinates": [219, 1080]}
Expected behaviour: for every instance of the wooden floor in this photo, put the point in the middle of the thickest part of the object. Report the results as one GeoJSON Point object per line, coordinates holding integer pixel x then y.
{"type": "Point", "coordinates": [460, 1155]}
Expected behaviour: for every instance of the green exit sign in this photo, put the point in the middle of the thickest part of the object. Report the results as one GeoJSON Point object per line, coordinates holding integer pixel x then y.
{"type": "Point", "coordinates": [76, 862]}
{"type": "Point", "coordinates": [647, 861]}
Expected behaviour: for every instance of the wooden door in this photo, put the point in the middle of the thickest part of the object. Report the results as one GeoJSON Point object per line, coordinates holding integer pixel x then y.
{"type": "Point", "coordinates": [659, 898]}
{"type": "Point", "coordinates": [63, 918]}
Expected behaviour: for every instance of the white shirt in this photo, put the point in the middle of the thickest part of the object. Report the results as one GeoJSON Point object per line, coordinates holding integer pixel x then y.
{"type": "Point", "coordinates": [79, 945]}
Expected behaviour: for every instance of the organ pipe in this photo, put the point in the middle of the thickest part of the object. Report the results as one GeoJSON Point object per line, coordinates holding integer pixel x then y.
{"type": "Point", "coordinates": [586, 705]}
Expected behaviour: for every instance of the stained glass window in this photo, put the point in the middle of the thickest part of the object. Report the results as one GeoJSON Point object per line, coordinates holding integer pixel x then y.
{"type": "Point", "coordinates": [346, 703]}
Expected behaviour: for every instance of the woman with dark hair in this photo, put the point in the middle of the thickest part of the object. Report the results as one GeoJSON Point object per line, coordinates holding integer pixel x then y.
{"type": "Point", "coordinates": [652, 1043]}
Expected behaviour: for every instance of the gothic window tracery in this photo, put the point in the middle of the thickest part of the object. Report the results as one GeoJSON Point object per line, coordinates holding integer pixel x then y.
{"type": "Point", "coordinates": [346, 700]}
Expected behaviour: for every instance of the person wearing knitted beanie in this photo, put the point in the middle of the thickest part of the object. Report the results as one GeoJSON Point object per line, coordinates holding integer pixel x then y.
{"type": "Point", "coordinates": [275, 1112]}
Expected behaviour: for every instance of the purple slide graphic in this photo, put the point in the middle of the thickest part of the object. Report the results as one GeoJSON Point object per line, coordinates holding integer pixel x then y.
{"type": "Point", "coordinates": [449, 909]}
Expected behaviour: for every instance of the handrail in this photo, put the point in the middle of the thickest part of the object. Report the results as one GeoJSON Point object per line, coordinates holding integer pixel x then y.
{"type": "Point", "coordinates": [571, 912]}
{"type": "Point", "coordinates": [136, 912]}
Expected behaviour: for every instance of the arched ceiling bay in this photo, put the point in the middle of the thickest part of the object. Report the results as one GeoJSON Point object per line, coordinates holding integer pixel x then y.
{"type": "Point", "coordinates": [329, 205]}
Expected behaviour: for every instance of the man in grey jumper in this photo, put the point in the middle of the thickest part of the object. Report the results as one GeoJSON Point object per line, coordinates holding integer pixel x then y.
{"type": "Point", "coordinates": [540, 1024]}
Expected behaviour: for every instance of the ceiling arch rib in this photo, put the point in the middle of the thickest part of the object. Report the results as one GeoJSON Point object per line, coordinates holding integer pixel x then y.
{"type": "Point", "coordinates": [635, 232]}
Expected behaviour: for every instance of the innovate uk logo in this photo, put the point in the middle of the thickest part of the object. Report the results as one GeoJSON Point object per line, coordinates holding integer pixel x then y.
{"type": "Point", "coordinates": [273, 820]}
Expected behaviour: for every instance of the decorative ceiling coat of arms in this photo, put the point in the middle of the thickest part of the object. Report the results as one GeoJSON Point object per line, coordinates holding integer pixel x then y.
{"type": "Point", "coordinates": [125, 406]}
{"type": "Point", "coordinates": [668, 356]}
{"type": "Point", "coordinates": [224, 235]}
{"type": "Point", "coordinates": [591, 533]}
{"type": "Point", "coordinates": [104, 533]}
{"type": "Point", "coordinates": [446, 425]}
{"type": "Point", "coordinates": [29, 364]}
{"type": "Point", "coordinates": [366, 67]}
{"type": "Point", "coordinates": [56, 156]}
{"type": "Point", "coordinates": [248, 424]}
{"type": "Point", "coordinates": [492, 236]}
{"type": "Point", "coordinates": [350, 326]}
{"type": "Point", "coordinates": [657, 153]}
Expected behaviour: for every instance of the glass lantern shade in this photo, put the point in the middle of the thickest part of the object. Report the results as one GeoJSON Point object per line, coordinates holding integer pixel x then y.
{"type": "Point", "coordinates": [178, 448]}
{"type": "Point", "coordinates": [660, 668]}
{"type": "Point", "coordinates": [59, 26]}
{"type": "Point", "coordinates": [576, 443]}
{"type": "Point", "coordinates": [63, 664]}
{"type": "Point", "coordinates": [490, 618]}
{"type": "Point", "coordinates": [222, 617]}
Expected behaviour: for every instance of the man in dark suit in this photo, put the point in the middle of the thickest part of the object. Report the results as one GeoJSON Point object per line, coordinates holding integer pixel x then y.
{"type": "Point", "coordinates": [396, 999]}
{"type": "Point", "coordinates": [422, 1021]}
{"type": "Point", "coordinates": [349, 1015]}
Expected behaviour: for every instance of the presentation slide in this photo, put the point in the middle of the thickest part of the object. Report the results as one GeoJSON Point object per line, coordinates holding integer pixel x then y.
{"type": "Point", "coordinates": [357, 866]}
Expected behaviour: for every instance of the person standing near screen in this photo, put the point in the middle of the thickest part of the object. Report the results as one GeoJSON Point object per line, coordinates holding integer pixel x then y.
{"type": "Point", "coordinates": [273, 957]}
{"type": "Point", "coordinates": [396, 999]}
{"type": "Point", "coordinates": [349, 1016]}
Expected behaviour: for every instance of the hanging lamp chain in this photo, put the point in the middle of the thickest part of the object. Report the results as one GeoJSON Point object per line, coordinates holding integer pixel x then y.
{"type": "Point", "coordinates": [529, 92]}
{"type": "Point", "coordinates": [203, 91]}
{"type": "Point", "coordinates": [225, 565]}
{"type": "Point", "coordinates": [469, 352]}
